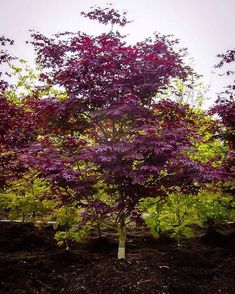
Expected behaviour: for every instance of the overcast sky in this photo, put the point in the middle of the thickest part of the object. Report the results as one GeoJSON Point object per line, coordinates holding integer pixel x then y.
{"type": "Point", "coordinates": [205, 27]}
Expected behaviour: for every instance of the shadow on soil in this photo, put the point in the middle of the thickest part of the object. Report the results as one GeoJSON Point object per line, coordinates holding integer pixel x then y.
{"type": "Point", "coordinates": [31, 262]}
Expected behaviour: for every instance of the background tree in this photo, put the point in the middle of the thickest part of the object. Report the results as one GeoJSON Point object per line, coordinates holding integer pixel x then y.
{"type": "Point", "coordinates": [225, 108]}
{"type": "Point", "coordinates": [16, 127]}
{"type": "Point", "coordinates": [4, 58]}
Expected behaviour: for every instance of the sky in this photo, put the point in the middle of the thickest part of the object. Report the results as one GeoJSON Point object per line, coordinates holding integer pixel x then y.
{"type": "Point", "coordinates": [205, 27]}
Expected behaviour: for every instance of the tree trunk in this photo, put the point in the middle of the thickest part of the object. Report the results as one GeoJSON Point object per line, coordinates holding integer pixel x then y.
{"type": "Point", "coordinates": [99, 230]}
{"type": "Point", "coordinates": [122, 241]}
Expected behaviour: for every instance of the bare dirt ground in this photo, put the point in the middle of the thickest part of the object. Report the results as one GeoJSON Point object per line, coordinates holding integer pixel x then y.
{"type": "Point", "coordinates": [31, 262]}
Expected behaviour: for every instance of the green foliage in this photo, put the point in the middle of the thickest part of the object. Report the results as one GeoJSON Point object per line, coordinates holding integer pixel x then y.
{"type": "Point", "coordinates": [27, 199]}
{"type": "Point", "coordinates": [66, 216]}
{"type": "Point", "coordinates": [212, 150]}
{"type": "Point", "coordinates": [64, 238]}
{"type": "Point", "coordinates": [26, 81]}
{"type": "Point", "coordinates": [67, 224]}
{"type": "Point", "coordinates": [209, 148]}
{"type": "Point", "coordinates": [212, 207]}
{"type": "Point", "coordinates": [192, 91]}
{"type": "Point", "coordinates": [179, 213]}
{"type": "Point", "coordinates": [174, 216]}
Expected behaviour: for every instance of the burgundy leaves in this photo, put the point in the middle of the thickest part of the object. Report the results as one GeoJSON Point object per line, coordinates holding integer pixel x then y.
{"type": "Point", "coordinates": [225, 60]}
{"type": "Point", "coordinates": [4, 57]}
{"type": "Point", "coordinates": [16, 132]}
{"type": "Point", "coordinates": [225, 108]}
{"type": "Point", "coordinates": [107, 15]}
{"type": "Point", "coordinates": [58, 117]}
{"type": "Point", "coordinates": [102, 69]}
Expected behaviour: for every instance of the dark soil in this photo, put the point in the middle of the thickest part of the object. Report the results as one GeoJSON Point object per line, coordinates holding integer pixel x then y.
{"type": "Point", "coordinates": [31, 262]}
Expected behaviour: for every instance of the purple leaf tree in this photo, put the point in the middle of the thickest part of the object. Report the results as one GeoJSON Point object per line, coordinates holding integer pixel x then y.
{"type": "Point", "coordinates": [16, 127]}
{"type": "Point", "coordinates": [225, 108]}
{"type": "Point", "coordinates": [110, 129]}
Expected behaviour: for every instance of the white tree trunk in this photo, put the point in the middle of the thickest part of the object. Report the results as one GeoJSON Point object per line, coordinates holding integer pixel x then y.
{"type": "Point", "coordinates": [122, 242]}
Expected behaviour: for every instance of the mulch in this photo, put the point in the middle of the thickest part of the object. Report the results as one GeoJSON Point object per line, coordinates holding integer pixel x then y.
{"type": "Point", "coordinates": [31, 262]}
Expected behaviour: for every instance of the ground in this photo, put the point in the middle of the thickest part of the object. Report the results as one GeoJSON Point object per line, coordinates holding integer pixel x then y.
{"type": "Point", "coordinates": [31, 262]}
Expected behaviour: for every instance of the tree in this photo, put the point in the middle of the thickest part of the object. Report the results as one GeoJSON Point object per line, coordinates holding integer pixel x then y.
{"type": "Point", "coordinates": [4, 57]}
{"type": "Point", "coordinates": [16, 128]}
{"type": "Point", "coordinates": [225, 108]}
{"type": "Point", "coordinates": [109, 132]}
